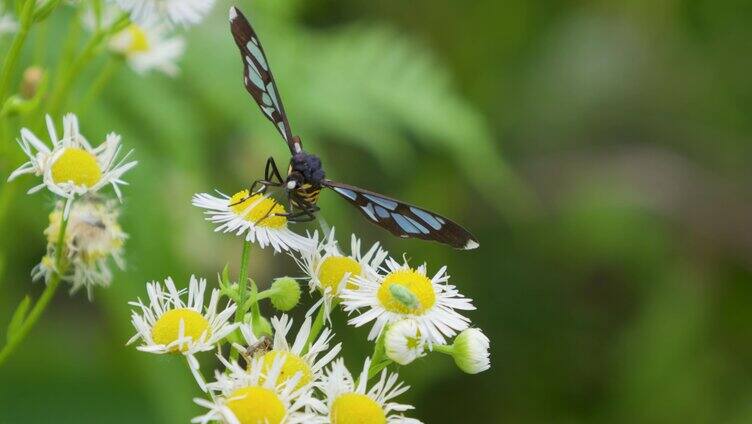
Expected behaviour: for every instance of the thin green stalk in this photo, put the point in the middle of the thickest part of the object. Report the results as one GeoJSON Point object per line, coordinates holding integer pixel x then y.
{"type": "Point", "coordinates": [100, 36]}
{"type": "Point", "coordinates": [445, 349]}
{"type": "Point", "coordinates": [243, 282]}
{"type": "Point", "coordinates": [11, 58]}
{"type": "Point", "coordinates": [44, 300]}
{"type": "Point", "coordinates": [242, 290]}
{"type": "Point", "coordinates": [58, 97]}
{"type": "Point", "coordinates": [108, 71]}
{"type": "Point", "coordinates": [318, 324]}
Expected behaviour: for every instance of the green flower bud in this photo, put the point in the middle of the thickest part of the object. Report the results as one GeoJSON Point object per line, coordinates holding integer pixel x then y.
{"type": "Point", "coordinates": [470, 351]}
{"type": "Point", "coordinates": [285, 293]}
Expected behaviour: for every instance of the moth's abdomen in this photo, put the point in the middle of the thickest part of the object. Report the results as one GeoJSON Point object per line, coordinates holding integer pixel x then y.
{"type": "Point", "coordinates": [309, 193]}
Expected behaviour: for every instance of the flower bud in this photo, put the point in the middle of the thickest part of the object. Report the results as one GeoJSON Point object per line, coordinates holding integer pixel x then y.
{"type": "Point", "coordinates": [32, 78]}
{"type": "Point", "coordinates": [285, 293]}
{"type": "Point", "coordinates": [470, 351]}
{"type": "Point", "coordinates": [403, 342]}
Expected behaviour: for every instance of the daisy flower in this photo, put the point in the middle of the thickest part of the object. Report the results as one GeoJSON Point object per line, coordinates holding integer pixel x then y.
{"type": "Point", "coordinates": [406, 292]}
{"type": "Point", "coordinates": [307, 364]}
{"type": "Point", "coordinates": [145, 46]}
{"type": "Point", "coordinates": [167, 324]}
{"type": "Point", "coordinates": [350, 402]}
{"type": "Point", "coordinates": [329, 270]}
{"type": "Point", "coordinates": [72, 166]}
{"type": "Point", "coordinates": [92, 237]}
{"type": "Point", "coordinates": [182, 12]}
{"type": "Point", "coordinates": [404, 342]}
{"type": "Point", "coordinates": [255, 217]}
{"type": "Point", "coordinates": [148, 46]}
{"type": "Point", "coordinates": [257, 394]}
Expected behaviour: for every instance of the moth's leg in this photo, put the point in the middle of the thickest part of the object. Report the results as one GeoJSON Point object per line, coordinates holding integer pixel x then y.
{"type": "Point", "coordinates": [306, 213]}
{"type": "Point", "coordinates": [252, 191]}
{"type": "Point", "coordinates": [272, 170]}
{"type": "Point", "coordinates": [269, 213]}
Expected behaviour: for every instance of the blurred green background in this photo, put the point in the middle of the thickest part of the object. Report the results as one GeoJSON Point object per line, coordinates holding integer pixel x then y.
{"type": "Point", "coordinates": [599, 150]}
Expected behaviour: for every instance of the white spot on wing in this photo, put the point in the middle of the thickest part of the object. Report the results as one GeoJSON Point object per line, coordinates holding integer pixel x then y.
{"type": "Point", "coordinates": [282, 130]}
{"type": "Point", "coordinates": [266, 100]}
{"type": "Point", "coordinates": [368, 209]}
{"type": "Point", "coordinates": [345, 192]}
{"type": "Point", "coordinates": [256, 52]}
{"type": "Point", "coordinates": [273, 94]}
{"type": "Point", "coordinates": [233, 13]}
{"type": "Point", "coordinates": [426, 217]}
{"type": "Point", "coordinates": [471, 244]}
{"type": "Point", "coordinates": [389, 204]}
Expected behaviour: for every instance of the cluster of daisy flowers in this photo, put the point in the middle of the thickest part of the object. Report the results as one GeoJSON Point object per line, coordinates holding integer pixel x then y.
{"type": "Point", "coordinates": [272, 371]}
{"type": "Point", "coordinates": [83, 235]}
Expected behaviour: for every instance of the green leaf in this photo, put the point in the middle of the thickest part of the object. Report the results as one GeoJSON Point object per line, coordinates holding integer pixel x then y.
{"type": "Point", "coordinates": [18, 318]}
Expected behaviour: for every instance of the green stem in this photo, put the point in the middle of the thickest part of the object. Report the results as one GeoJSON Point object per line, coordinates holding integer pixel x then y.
{"type": "Point", "coordinates": [61, 91]}
{"type": "Point", "coordinates": [243, 282]}
{"type": "Point", "coordinates": [44, 299]}
{"type": "Point", "coordinates": [242, 290]}
{"type": "Point", "coordinates": [318, 324]}
{"type": "Point", "coordinates": [11, 58]}
{"type": "Point", "coordinates": [445, 349]}
{"type": "Point", "coordinates": [259, 296]}
{"type": "Point", "coordinates": [57, 99]}
{"type": "Point", "coordinates": [108, 71]}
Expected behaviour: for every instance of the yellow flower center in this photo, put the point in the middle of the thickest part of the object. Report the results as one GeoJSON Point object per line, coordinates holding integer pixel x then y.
{"type": "Point", "coordinates": [263, 213]}
{"type": "Point", "coordinates": [333, 270]}
{"type": "Point", "coordinates": [167, 328]}
{"type": "Point", "coordinates": [413, 342]}
{"type": "Point", "coordinates": [254, 405]}
{"type": "Point", "coordinates": [355, 408]}
{"type": "Point", "coordinates": [139, 40]}
{"type": "Point", "coordinates": [293, 364]}
{"type": "Point", "coordinates": [406, 291]}
{"type": "Point", "coordinates": [76, 165]}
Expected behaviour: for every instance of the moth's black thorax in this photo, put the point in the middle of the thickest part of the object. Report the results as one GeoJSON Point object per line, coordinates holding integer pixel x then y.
{"type": "Point", "coordinates": [306, 170]}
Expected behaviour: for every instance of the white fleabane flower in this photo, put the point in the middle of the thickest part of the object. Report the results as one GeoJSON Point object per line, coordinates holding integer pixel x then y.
{"type": "Point", "coordinates": [181, 12]}
{"type": "Point", "coordinates": [348, 402]}
{"type": "Point", "coordinates": [405, 292]}
{"type": "Point", "coordinates": [92, 237]}
{"type": "Point", "coordinates": [72, 167]}
{"type": "Point", "coordinates": [257, 394]}
{"type": "Point", "coordinates": [167, 324]}
{"type": "Point", "coordinates": [329, 270]}
{"type": "Point", "coordinates": [403, 342]}
{"type": "Point", "coordinates": [8, 22]}
{"type": "Point", "coordinates": [146, 46]}
{"type": "Point", "coordinates": [470, 351]}
{"type": "Point", "coordinates": [258, 218]}
{"type": "Point", "coordinates": [149, 46]}
{"type": "Point", "coordinates": [307, 364]}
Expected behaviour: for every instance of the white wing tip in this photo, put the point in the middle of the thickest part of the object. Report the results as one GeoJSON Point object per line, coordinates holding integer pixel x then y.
{"type": "Point", "coordinates": [471, 244]}
{"type": "Point", "coordinates": [233, 13]}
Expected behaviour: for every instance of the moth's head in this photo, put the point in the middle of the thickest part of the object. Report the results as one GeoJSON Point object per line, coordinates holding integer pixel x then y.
{"type": "Point", "coordinates": [308, 167]}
